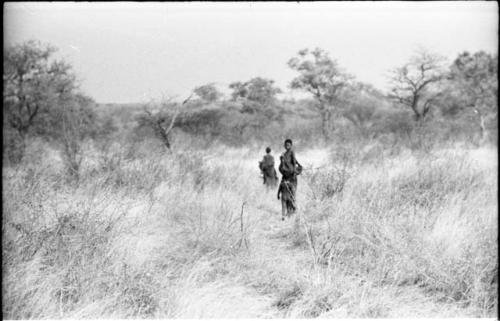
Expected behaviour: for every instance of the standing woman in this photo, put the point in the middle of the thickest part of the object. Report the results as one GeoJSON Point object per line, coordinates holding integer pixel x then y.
{"type": "Point", "coordinates": [267, 168]}
{"type": "Point", "coordinates": [289, 169]}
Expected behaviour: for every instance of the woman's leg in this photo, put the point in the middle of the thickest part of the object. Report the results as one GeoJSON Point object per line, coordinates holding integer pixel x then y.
{"type": "Point", "coordinates": [293, 192]}
{"type": "Point", "coordinates": [283, 208]}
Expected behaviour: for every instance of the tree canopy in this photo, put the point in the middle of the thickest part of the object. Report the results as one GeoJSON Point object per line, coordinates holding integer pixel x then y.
{"type": "Point", "coordinates": [321, 76]}
{"type": "Point", "coordinates": [33, 81]}
{"type": "Point", "coordinates": [208, 93]}
{"type": "Point", "coordinates": [259, 90]}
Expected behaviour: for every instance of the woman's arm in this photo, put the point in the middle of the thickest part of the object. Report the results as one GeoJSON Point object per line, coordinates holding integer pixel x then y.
{"type": "Point", "coordinates": [294, 164]}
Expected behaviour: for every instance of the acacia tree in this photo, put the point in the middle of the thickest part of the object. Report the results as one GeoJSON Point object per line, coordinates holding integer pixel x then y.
{"type": "Point", "coordinates": [414, 84]}
{"type": "Point", "coordinates": [475, 78]}
{"type": "Point", "coordinates": [41, 98]}
{"type": "Point", "coordinates": [360, 102]}
{"type": "Point", "coordinates": [259, 104]}
{"type": "Point", "coordinates": [163, 120]}
{"type": "Point", "coordinates": [73, 121]}
{"type": "Point", "coordinates": [322, 77]}
{"type": "Point", "coordinates": [259, 90]}
{"type": "Point", "coordinates": [208, 93]}
{"type": "Point", "coordinates": [33, 82]}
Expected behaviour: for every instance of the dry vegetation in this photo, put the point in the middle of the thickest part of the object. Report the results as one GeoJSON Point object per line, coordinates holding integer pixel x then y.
{"type": "Point", "coordinates": [158, 211]}
{"type": "Point", "coordinates": [380, 233]}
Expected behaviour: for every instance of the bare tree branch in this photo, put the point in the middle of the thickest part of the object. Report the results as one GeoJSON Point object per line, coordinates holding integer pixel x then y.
{"type": "Point", "coordinates": [411, 83]}
{"type": "Point", "coordinates": [156, 120]}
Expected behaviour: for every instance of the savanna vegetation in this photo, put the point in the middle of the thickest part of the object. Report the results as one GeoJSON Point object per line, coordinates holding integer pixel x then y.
{"type": "Point", "coordinates": [157, 210]}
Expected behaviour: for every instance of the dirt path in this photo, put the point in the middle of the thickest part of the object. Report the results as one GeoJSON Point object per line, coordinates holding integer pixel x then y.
{"type": "Point", "coordinates": [276, 269]}
{"type": "Point", "coordinates": [278, 272]}
{"type": "Point", "coordinates": [273, 263]}
{"type": "Point", "coordinates": [275, 276]}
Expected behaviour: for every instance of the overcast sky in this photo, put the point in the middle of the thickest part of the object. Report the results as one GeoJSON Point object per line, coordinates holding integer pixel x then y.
{"type": "Point", "coordinates": [130, 52]}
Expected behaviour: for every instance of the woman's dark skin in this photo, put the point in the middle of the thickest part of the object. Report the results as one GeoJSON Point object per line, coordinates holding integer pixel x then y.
{"type": "Point", "coordinates": [288, 183]}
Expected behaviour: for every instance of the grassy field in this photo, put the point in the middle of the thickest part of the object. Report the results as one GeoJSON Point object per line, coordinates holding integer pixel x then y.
{"type": "Point", "coordinates": [379, 233]}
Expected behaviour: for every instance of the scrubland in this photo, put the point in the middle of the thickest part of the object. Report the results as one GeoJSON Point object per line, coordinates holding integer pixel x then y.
{"type": "Point", "coordinates": [380, 232]}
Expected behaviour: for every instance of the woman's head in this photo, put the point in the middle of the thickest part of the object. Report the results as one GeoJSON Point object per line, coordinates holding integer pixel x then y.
{"type": "Point", "coordinates": [288, 144]}
{"type": "Point", "coordinates": [268, 150]}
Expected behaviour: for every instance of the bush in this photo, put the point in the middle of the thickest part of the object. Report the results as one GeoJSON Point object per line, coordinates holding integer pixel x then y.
{"type": "Point", "coordinates": [13, 146]}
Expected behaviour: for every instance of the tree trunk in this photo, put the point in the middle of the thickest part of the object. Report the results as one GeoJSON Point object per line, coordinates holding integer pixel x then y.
{"type": "Point", "coordinates": [156, 123]}
{"type": "Point", "coordinates": [14, 146]}
{"type": "Point", "coordinates": [164, 137]}
{"type": "Point", "coordinates": [72, 149]}
{"type": "Point", "coordinates": [324, 125]}
{"type": "Point", "coordinates": [414, 107]}
{"type": "Point", "coordinates": [426, 108]}
{"type": "Point", "coordinates": [330, 122]}
{"type": "Point", "coordinates": [482, 127]}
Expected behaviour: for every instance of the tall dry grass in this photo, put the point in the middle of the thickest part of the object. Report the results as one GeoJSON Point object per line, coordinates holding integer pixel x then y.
{"type": "Point", "coordinates": [426, 221]}
{"type": "Point", "coordinates": [150, 234]}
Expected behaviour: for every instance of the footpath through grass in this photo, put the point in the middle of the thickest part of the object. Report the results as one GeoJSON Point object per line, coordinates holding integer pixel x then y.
{"type": "Point", "coordinates": [196, 235]}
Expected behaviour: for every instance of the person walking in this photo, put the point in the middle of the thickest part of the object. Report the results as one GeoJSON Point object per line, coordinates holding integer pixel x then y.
{"type": "Point", "coordinates": [267, 168]}
{"type": "Point", "coordinates": [289, 169]}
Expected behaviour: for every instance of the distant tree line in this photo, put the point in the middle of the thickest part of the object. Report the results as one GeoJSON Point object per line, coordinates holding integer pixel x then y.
{"type": "Point", "coordinates": [42, 99]}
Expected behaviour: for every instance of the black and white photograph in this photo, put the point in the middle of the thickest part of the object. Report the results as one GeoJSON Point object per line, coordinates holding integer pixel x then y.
{"type": "Point", "coordinates": [250, 160]}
